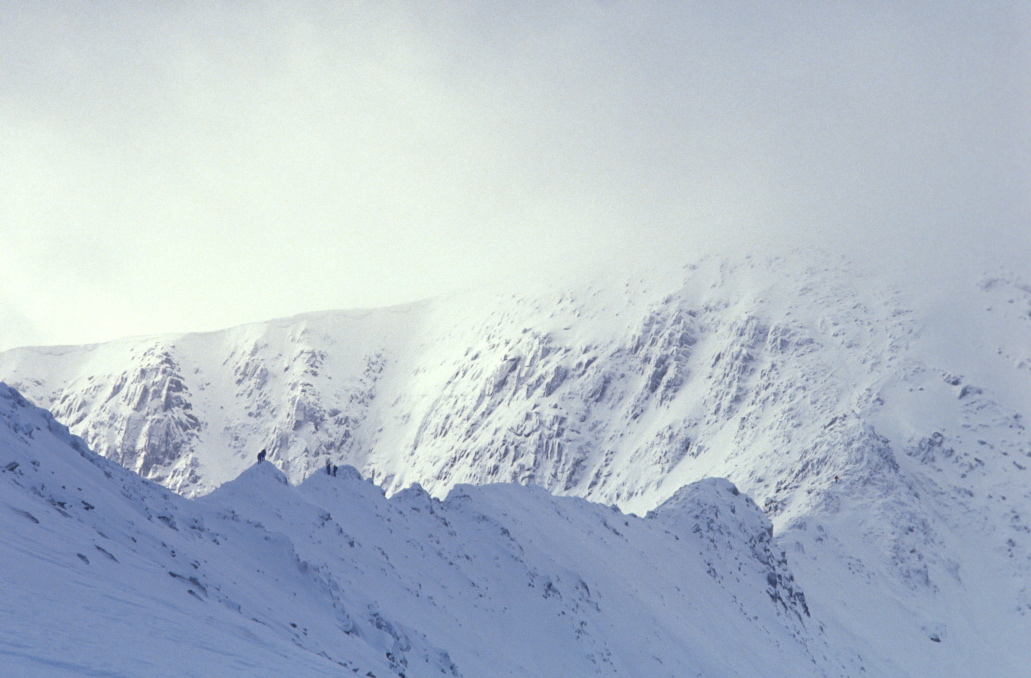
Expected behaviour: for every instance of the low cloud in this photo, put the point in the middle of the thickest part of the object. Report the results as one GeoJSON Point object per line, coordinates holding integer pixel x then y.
{"type": "Point", "coordinates": [203, 164]}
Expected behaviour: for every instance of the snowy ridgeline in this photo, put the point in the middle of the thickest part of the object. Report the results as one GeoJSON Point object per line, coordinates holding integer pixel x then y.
{"type": "Point", "coordinates": [105, 573]}
{"type": "Point", "coordinates": [618, 392]}
{"type": "Point", "coordinates": [881, 433]}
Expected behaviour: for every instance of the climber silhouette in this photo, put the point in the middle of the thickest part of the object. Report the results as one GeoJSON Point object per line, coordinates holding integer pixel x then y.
{"type": "Point", "coordinates": [261, 455]}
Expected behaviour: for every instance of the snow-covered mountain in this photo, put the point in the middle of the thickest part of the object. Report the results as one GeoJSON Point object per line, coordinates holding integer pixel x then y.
{"type": "Point", "coordinates": [105, 573]}
{"type": "Point", "coordinates": [879, 427]}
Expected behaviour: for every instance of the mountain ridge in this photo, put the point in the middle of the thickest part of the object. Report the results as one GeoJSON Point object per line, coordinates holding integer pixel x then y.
{"type": "Point", "coordinates": [881, 433]}
{"type": "Point", "coordinates": [114, 575]}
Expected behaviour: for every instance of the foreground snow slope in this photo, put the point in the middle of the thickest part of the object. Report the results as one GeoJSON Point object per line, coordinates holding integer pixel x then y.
{"type": "Point", "coordinates": [107, 574]}
{"type": "Point", "coordinates": [881, 428]}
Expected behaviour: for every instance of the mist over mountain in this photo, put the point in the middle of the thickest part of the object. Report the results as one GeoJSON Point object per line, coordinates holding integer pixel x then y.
{"type": "Point", "coordinates": [879, 425]}
{"type": "Point", "coordinates": [225, 162]}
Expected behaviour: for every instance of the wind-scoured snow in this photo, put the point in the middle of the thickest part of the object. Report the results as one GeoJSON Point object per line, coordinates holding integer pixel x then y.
{"type": "Point", "coordinates": [880, 427]}
{"type": "Point", "coordinates": [107, 574]}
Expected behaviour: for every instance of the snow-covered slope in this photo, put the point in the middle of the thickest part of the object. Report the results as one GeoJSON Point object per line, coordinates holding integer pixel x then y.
{"type": "Point", "coordinates": [620, 391]}
{"type": "Point", "coordinates": [192, 411]}
{"type": "Point", "coordinates": [880, 428]}
{"type": "Point", "coordinates": [104, 573]}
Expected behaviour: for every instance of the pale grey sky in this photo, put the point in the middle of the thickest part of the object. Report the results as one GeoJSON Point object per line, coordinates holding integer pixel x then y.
{"type": "Point", "coordinates": [194, 165]}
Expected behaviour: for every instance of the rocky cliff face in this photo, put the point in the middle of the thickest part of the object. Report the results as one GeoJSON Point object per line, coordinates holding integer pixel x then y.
{"type": "Point", "coordinates": [140, 416]}
{"type": "Point", "coordinates": [774, 374]}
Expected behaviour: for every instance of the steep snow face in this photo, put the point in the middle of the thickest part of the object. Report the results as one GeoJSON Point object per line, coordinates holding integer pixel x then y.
{"type": "Point", "coordinates": [192, 411]}
{"type": "Point", "coordinates": [105, 573]}
{"type": "Point", "coordinates": [881, 430]}
{"type": "Point", "coordinates": [776, 374]}
{"type": "Point", "coordinates": [615, 392]}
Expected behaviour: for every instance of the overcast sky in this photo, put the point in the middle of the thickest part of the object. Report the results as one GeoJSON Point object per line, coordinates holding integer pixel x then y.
{"type": "Point", "coordinates": [180, 166]}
